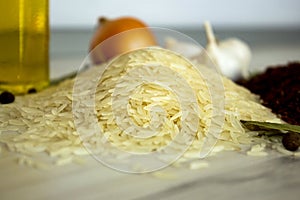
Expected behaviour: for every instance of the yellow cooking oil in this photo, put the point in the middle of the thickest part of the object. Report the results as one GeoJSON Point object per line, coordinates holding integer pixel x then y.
{"type": "Point", "coordinates": [24, 45]}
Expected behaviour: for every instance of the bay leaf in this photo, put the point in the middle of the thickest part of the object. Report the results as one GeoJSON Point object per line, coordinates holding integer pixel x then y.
{"type": "Point", "coordinates": [256, 125]}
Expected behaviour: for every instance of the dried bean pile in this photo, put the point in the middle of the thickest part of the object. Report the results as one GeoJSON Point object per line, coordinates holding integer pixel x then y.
{"type": "Point", "coordinates": [279, 89]}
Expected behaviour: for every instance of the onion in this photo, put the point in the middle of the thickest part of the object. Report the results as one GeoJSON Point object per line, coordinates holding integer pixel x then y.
{"type": "Point", "coordinates": [107, 42]}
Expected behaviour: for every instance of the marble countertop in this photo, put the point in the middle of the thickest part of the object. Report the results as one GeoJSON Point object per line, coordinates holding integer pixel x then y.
{"type": "Point", "coordinates": [229, 175]}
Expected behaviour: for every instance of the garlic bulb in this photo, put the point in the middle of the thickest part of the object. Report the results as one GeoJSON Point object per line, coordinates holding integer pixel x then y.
{"type": "Point", "coordinates": [232, 56]}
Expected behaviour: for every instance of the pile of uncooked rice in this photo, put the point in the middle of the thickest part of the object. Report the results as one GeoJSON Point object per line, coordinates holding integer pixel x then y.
{"type": "Point", "coordinates": [43, 123]}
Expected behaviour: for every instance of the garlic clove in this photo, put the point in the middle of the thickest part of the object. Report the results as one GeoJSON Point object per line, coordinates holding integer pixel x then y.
{"type": "Point", "coordinates": [239, 51]}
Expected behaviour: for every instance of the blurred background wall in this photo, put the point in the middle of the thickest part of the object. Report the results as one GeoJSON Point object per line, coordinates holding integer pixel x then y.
{"type": "Point", "coordinates": [179, 13]}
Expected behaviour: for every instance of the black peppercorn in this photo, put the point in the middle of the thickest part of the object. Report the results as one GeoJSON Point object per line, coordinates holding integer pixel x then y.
{"type": "Point", "coordinates": [6, 97]}
{"type": "Point", "coordinates": [31, 91]}
{"type": "Point", "coordinates": [291, 141]}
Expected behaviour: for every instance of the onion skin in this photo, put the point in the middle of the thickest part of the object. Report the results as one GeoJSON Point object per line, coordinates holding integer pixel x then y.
{"type": "Point", "coordinates": [135, 34]}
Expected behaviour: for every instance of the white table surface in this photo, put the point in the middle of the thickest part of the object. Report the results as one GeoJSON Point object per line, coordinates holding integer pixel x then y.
{"type": "Point", "coordinates": [230, 175]}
